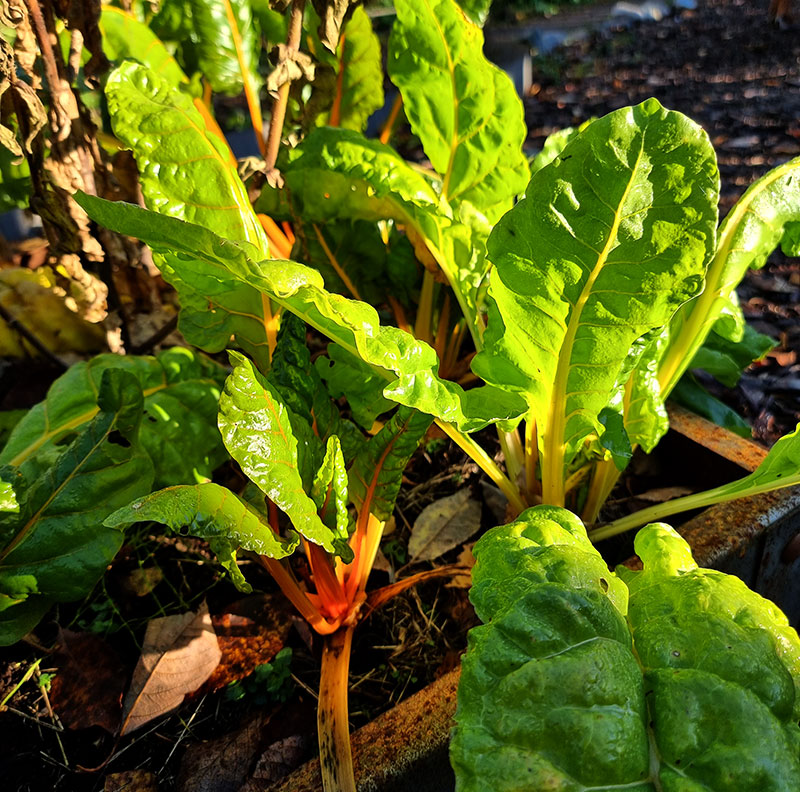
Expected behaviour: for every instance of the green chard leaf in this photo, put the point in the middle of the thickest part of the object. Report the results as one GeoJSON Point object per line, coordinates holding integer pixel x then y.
{"type": "Point", "coordinates": [751, 231]}
{"type": "Point", "coordinates": [181, 394]}
{"type": "Point", "coordinates": [187, 171]}
{"type": "Point", "coordinates": [55, 548]}
{"type": "Point", "coordinates": [408, 365]}
{"type": "Point", "coordinates": [258, 431]}
{"type": "Point", "coordinates": [212, 513]}
{"type": "Point", "coordinates": [463, 108]}
{"type": "Point", "coordinates": [692, 395]}
{"type": "Point", "coordinates": [670, 678]}
{"type": "Point", "coordinates": [377, 472]}
{"type": "Point", "coordinates": [476, 10]}
{"type": "Point", "coordinates": [726, 360]}
{"type": "Point", "coordinates": [330, 493]}
{"type": "Point", "coordinates": [125, 37]}
{"type": "Point", "coordinates": [569, 295]}
{"type": "Point", "coordinates": [345, 375]}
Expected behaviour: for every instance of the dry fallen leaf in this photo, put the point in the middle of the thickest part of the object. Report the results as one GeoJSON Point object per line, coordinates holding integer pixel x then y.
{"type": "Point", "coordinates": [251, 633]}
{"type": "Point", "coordinates": [90, 680]}
{"type": "Point", "coordinates": [131, 781]}
{"type": "Point", "coordinates": [467, 560]}
{"type": "Point", "coordinates": [443, 525]}
{"type": "Point", "coordinates": [178, 655]}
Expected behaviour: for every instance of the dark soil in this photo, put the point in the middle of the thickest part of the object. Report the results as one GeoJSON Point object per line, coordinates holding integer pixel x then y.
{"type": "Point", "coordinates": [738, 76]}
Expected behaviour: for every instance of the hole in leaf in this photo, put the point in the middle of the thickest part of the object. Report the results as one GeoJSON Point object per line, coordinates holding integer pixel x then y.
{"type": "Point", "coordinates": [117, 438]}
{"type": "Point", "coordinates": [604, 584]}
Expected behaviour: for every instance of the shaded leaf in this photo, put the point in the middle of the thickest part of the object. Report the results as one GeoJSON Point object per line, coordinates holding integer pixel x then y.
{"type": "Point", "coordinates": [726, 360]}
{"type": "Point", "coordinates": [443, 525]}
{"type": "Point", "coordinates": [179, 653]}
{"type": "Point", "coordinates": [377, 472]}
{"type": "Point", "coordinates": [359, 86]}
{"type": "Point", "coordinates": [226, 44]}
{"type": "Point", "coordinates": [89, 682]}
{"type": "Point", "coordinates": [181, 393]}
{"type": "Point", "coordinates": [464, 109]}
{"type": "Point", "coordinates": [692, 395]}
{"type": "Point", "coordinates": [56, 548]}
{"type": "Point", "coordinates": [346, 375]}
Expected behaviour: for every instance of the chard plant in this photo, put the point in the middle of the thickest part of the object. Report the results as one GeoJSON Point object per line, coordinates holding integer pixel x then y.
{"type": "Point", "coordinates": [318, 487]}
{"type": "Point", "coordinates": [668, 678]}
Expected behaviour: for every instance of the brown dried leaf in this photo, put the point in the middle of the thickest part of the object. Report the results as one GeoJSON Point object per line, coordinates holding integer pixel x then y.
{"type": "Point", "coordinates": [443, 525]}
{"type": "Point", "coordinates": [250, 634]}
{"type": "Point", "coordinates": [280, 759]}
{"type": "Point", "coordinates": [332, 14]}
{"type": "Point", "coordinates": [178, 655]}
{"type": "Point", "coordinates": [88, 686]}
{"type": "Point", "coordinates": [131, 781]}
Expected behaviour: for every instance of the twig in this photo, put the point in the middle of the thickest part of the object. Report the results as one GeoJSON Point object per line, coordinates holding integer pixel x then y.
{"type": "Point", "coordinates": [279, 105]}
{"type": "Point", "coordinates": [28, 335]}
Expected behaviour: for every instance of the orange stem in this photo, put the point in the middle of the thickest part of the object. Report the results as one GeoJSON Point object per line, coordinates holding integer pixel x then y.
{"type": "Point", "coordinates": [386, 132]}
{"type": "Point", "coordinates": [333, 728]}
{"type": "Point", "coordinates": [336, 111]}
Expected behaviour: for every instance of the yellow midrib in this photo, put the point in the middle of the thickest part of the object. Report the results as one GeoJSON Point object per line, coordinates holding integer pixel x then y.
{"type": "Point", "coordinates": [65, 427]}
{"type": "Point", "coordinates": [704, 301]}
{"type": "Point", "coordinates": [554, 428]}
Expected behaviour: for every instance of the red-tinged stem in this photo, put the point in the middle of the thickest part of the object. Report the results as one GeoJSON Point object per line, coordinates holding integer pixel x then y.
{"type": "Point", "coordinates": [381, 596]}
{"type": "Point", "coordinates": [386, 132]}
{"type": "Point", "coordinates": [336, 110]}
{"type": "Point", "coordinates": [328, 587]}
{"type": "Point", "coordinates": [289, 586]}
{"type": "Point", "coordinates": [333, 728]}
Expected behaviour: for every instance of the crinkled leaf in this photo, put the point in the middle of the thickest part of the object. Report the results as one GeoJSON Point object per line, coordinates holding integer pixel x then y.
{"type": "Point", "coordinates": [346, 375]}
{"type": "Point", "coordinates": [726, 360]}
{"type": "Point", "coordinates": [646, 420]}
{"type": "Point", "coordinates": [257, 431]}
{"type": "Point", "coordinates": [695, 689]}
{"type": "Point", "coordinates": [187, 171]}
{"type": "Point", "coordinates": [181, 393]}
{"type": "Point", "coordinates": [212, 513]}
{"type": "Point", "coordinates": [125, 37]}
{"type": "Point", "coordinates": [692, 395]}
{"type": "Point", "coordinates": [570, 292]}
{"type": "Point", "coordinates": [338, 174]}
{"type": "Point", "coordinates": [377, 472]}
{"type": "Point", "coordinates": [55, 548]}
{"type": "Point", "coordinates": [750, 232]}
{"type": "Point", "coordinates": [614, 438]}
{"type": "Point", "coordinates": [329, 492]}
{"type": "Point", "coordinates": [408, 365]}
{"type": "Point", "coordinates": [463, 108]}
{"type": "Point", "coordinates": [8, 498]}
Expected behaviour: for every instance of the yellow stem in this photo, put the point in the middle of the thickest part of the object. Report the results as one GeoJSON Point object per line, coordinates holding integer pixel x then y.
{"type": "Point", "coordinates": [485, 463]}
